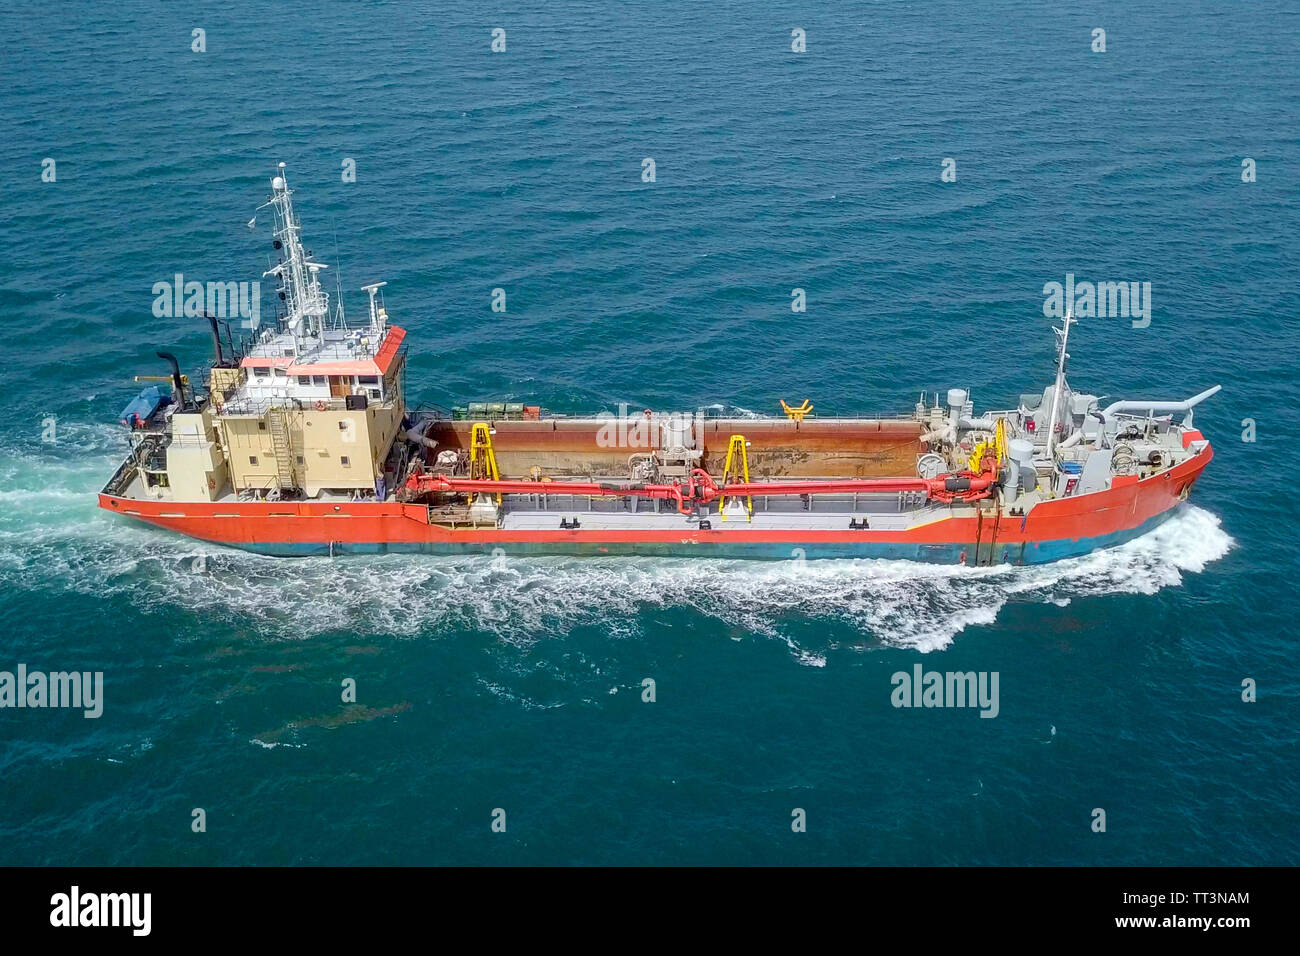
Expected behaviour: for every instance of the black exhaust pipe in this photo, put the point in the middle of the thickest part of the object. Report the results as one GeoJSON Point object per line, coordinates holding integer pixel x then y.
{"type": "Point", "coordinates": [178, 386]}
{"type": "Point", "coordinates": [216, 339]}
{"type": "Point", "coordinates": [230, 340]}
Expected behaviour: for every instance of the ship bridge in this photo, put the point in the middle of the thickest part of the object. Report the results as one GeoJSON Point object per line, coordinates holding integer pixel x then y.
{"type": "Point", "coordinates": [321, 371]}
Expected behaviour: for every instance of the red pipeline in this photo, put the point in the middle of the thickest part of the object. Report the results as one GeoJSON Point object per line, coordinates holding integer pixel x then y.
{"type": "Point", "coordinates": [701, 489]}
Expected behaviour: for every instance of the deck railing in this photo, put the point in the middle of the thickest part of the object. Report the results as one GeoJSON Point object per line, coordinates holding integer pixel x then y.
{"type": "Point", "coordinates": [256, 408]}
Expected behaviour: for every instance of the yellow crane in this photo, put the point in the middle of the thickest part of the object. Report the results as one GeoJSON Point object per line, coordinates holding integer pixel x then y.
{"type": "Point", "coordinates": [736, 454]}
{"type": "Point", "coordinates": [482, 459]}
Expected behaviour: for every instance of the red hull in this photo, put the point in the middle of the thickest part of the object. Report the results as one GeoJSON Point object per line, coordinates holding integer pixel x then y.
{"type": "Point", "coordinates": [279, 527]}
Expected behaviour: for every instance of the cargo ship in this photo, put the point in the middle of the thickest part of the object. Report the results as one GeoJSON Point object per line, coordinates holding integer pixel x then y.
{"type": "Point", "coordinates": [302, 442]}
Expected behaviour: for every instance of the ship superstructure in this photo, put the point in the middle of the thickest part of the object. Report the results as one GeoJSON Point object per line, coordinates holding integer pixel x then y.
{"type": "Point", "coordinates": [308, 408]}
{"type": "Point", "coordinates": [304, 444]}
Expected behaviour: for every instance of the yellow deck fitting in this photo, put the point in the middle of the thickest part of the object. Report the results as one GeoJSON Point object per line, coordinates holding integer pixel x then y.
{"type": "Point", "coordinates": [736, 453]}
{"type": "Point", "coordinates": [997, 445]}
{"type": "Point", "coordinates": [797, 414]}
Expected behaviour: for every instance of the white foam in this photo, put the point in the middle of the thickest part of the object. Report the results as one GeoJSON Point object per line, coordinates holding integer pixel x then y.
{"type": "Point", "coordinates": [53, 536]}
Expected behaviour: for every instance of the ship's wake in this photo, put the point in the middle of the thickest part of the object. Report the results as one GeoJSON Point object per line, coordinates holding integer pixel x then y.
{"type": "Point", "coordinates": [52, 537]}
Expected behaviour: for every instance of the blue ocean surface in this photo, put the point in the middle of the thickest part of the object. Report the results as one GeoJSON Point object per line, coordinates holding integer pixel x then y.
{"type": "Point", "coordinates": [518, 685]}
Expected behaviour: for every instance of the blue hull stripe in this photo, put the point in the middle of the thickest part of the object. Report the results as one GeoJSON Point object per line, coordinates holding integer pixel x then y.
{"type": "Point", "coordinates": [1032, 553]}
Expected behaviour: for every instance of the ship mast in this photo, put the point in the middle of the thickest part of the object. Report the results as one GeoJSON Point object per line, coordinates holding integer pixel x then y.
{"type": "Point", "coordinates": [1063, 338]}
{"type": "Point", "coordinates": [306, 304]}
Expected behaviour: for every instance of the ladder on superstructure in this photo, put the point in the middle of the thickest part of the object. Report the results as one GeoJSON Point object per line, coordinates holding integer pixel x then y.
{"type": "Point", "coordinates": [283, 450]}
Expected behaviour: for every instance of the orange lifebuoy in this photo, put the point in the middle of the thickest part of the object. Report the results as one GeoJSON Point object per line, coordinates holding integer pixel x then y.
{"type": "Point", "coordinates": [321, 405]}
